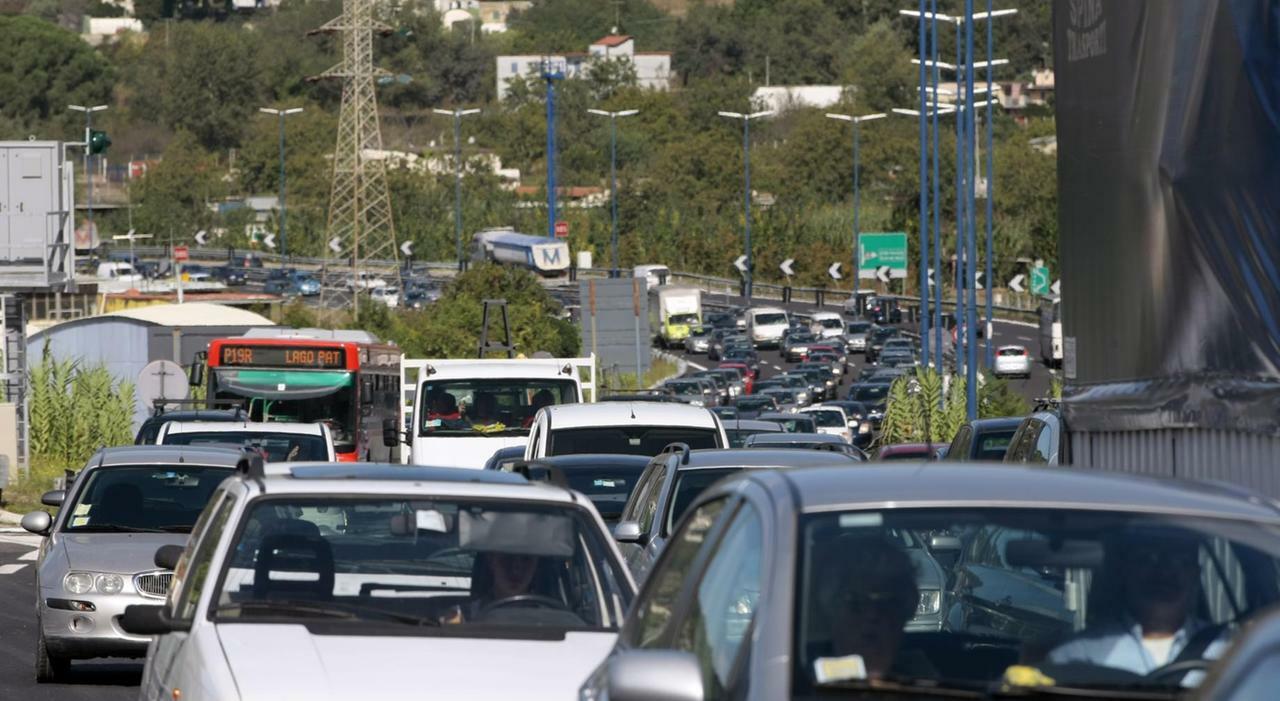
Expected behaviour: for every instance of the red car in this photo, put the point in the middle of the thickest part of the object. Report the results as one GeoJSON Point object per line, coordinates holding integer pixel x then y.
{"type": "Point", "coordinates": [748, 376]}
{"type": "Point", "coordinates": [908, 451]}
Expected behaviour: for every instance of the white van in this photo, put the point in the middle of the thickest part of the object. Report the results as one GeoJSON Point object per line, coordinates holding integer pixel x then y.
{"type": "Point", "coordinates": [622, 428]}
{"type": "Point", "coordinates": [765, 326]}
{"type": "Point", "coordinates": [653, 275]}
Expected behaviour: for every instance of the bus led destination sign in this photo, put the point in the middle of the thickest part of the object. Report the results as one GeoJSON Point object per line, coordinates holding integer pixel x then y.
{"type": "Point", "coordinates": [318, 358]}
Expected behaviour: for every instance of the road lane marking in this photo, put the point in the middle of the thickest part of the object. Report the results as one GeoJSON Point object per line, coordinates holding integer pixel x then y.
{"type": "Point", "coordinates": [10, 569]}
{"type": "Point", "coordinates": [1024, 338]}
{"type": "Point", "coordinates": [694, 365]}
{"type": "Point", "coordinates": [776, 367]}
{"type": "Point", "coordinates": [30, 556]}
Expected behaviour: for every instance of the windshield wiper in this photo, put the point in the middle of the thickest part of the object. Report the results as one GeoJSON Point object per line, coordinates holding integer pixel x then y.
{"type": "Point", "coordinates": [176, 528]}
{"type": "Point", "coordinates": [326, 609]}
{"type": "Point", "coordinates": [1134, 692]}
{"type": "Point", "coordinates": [113, 528]}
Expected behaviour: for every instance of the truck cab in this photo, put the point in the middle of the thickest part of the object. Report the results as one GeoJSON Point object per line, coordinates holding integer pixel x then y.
{"type": "Point", "coordinates": [674, 312]}
{"type": "Point", "coordinates": [463, 411]}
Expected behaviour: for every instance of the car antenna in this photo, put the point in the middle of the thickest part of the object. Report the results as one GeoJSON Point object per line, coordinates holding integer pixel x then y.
{"type": "Point", "coordinates": [632, 406]}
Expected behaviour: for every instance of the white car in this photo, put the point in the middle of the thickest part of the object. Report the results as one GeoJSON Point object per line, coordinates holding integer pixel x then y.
{"type": "Point", "coordinates": [389, 296]}
{"type": "Point", "coordinates": [628, 428]}
{"type": "Point", "coordinates": [365, 280]}
{"type": "Point", "coordinates": [826, 324]}
{"type": "Point", "coordinates": [831, 420]}
{"type": "Point", "coordinates": [278, 441]}
{"type": "Point", "coordinates": [765, 326]}
{"type": "Point", "coordinates": [1012, 361]}
{"type": "Point", "coordinates": [376, 581]}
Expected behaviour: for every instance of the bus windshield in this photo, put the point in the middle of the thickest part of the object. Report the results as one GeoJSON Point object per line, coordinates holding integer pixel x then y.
{"type": "Point", "coordinates": [294, 396]}
{"type": "Point", "coordinates": [499, 406]}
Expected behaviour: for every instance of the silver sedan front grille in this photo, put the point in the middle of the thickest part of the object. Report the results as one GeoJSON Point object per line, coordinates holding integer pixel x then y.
{"type": "Point", "coordinates": [153, 584]}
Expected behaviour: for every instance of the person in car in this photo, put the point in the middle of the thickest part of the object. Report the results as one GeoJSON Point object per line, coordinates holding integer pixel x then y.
{"type": "Point", "coordinates": [483, 410]}
{"type": "Point", "coordinates": [443, 406]}
{"type": "Point", "coordinates": [871, 595]}
{"type": "Point", "coordinates": [1159, 587]}
{"type": "Point", "coordinates": [541, 398]}
{"type": "Point", "coordinates": [497, 577]}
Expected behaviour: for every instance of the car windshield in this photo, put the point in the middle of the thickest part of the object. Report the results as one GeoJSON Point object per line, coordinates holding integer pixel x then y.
{"type": "Point", "coordinates": [800, 337]}
{"type": "Point", "coordinates": [487, 407]}
{"type": "Point", "coordinates": [770, 319]}
{"type": "Point", "coordinates": [680, 319]}
{"type": "Point", "coordinates": [684, 387]}
{"type": "Point", "coordinates": [628, 440]}
{"type": "Point", "coordinates": [738, 436]}
{"type": "Point", "coordinates": [433, 564]}
{"type": "Point", "coordinates": [827, 418]}
{"type": "Point", "coordinates": [1096, 599]}
{"type": "Point", "coordinates": [858, 327]}
{"type": "Point", "coordinates": [277, 446]}
{"type": "Point", "coordinates": [143, 498]}
{"type": "Point", "coordinates": [1012, 352]}
{"type": "Point", "coordinates": [831, 323]}
{"type": "Point", "coordinates": [795, 424]}
{"type": "Point", "coordinates": [871, 393]}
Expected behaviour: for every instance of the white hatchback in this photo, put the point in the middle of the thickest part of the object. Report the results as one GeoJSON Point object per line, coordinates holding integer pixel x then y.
{"type": "Point", "coordinates": [323, 581]}
{"type": "Point", "coordinates": [1012, 361]}
{"type": "Point", "coordinates": [830, 420]}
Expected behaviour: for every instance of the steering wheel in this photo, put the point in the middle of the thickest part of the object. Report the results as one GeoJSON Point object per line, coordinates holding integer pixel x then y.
{"type": "Point", "coordinates": [1178, 669]}
{"type": "Point", "coordinates": [523, 599]}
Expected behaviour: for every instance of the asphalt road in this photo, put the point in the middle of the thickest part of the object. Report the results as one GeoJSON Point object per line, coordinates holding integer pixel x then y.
{"type": "Point", "coordinates": [91, 680]}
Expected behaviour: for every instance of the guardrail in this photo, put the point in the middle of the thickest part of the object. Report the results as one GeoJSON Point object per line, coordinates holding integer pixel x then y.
{"type": "Point", "coordinates": [335, 271]}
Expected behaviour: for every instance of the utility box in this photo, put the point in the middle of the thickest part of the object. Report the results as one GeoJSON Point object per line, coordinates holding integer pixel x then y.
{"type": "Point", "coordinates": [615, 324]}
{"type": "Point", "coordinates": [37, 204]}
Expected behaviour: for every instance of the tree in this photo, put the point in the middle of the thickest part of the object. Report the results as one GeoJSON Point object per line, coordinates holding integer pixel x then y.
{"type": "Point", "coordinates": [174, 195]}
{"type": "Point", "coordinates": [43, 68]}
{"type": "Point", "coordinates": [879, 68]}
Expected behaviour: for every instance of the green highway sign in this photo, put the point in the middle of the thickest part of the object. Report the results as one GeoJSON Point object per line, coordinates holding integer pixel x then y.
{"type": "Point", "coordinates": [877, 251]}
{"type": "Point", "coordinates": [1039, 280]}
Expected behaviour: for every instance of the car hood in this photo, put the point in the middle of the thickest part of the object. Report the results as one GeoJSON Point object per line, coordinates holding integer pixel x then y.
{"type": "Point", "coordinates": [461, 451]}
{"type": "Point", "coordinates": [267, 658]}
{"type": "Point", "coordinates": [121, 553]}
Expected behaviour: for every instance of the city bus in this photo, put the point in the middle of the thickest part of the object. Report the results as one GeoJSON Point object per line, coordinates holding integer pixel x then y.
{"type": "Point", "coordinates": [348, 380]}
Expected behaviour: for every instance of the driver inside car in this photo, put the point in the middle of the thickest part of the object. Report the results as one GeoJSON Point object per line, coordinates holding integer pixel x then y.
{"type": "Point", "coordinates": [1159, 582]}
{"type": "Point", "coordinates": [498, 577]}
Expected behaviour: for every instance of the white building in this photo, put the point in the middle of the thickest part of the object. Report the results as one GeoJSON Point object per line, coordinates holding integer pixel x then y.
{"type": "Point", "coordinates": [781, 98]}
{"type": "Point", "coordinates": [653, 68]}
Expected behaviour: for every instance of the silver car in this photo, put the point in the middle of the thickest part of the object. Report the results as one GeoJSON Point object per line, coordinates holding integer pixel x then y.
{"type": "Point", "coordinates": [377, 581]}
{"type": "Point", "coordinates": [97, 556]}
{"type": "Point", "coordinates": [957, 581]}
{"type": "Point", "coordinates": [855, 335]}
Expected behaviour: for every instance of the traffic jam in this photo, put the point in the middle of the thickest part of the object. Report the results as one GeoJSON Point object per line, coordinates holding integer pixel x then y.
{"type": "Point", "coordinates": [339, 521]}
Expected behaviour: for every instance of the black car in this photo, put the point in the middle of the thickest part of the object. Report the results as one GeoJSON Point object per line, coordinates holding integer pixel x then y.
{"type": "Point", "coordinates": [719, 320]}
{"type": "Point", "coordinates": [884, 310]}
{"type": "Point", "coordinates": [795, 346]}
{"type": "Point", "coordinates": [607, 480]}
{"type": "Point", "coordinates": [739, 430]}
{"type": "Point", "coordinates": [747, 356]}
{"type": "Point", "coordinates": [873, 395]}
{"type": "Point", "coordinates": [231, 275]}
{"type": "Point", "coordinates": [791, 423]}
{"type": "Point", "coordinates": [751, 407]}
{"type": "Point", "coordinates": [896, 357]}
{"type": "Point", "coordinates": [150, 429]}
{"type": "Point", "coordinates": [877, 339]}
{"type": "Point", "coordinates": [809, 441]}
{"type": "Point", "coordinates": [983, 439]}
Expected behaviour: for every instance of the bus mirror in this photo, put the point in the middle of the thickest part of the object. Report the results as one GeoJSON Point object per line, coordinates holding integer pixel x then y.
{"type": "Point", "coordinates": [390, 433]}
{"type": "Point", "coordinates": [195, 375]}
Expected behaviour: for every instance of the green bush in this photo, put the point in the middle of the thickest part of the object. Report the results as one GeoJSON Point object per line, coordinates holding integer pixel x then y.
{"type": "Point", "coordinates": [908, 414]}
{"type": "Point", "coordinates": [75, 410]}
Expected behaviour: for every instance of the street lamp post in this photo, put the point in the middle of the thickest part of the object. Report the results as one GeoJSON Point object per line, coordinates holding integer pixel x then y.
{"type": "Point", "coordinates": [550, 76]}
{"type": "Point", "coordinates": [457, 176]}
{"type": "Point", "coordinates": [857, 196]}
{"type": "Point", "coordinates": [746, 187]}
{"type": "Point", "coordinates": [613, 173]}
{"type": "Point", "coordinates": [88, 155]}
{"type": "Point", "coordinates": [280, 116]}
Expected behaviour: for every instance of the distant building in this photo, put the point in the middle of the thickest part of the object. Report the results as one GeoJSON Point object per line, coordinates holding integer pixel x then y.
{"type": "Point", "coordinates": [455, 12]}
{"type": "Point", "coordinates": [781, 98]}
{"type": "Point", "coordinates": [103, 30]}
{"type": "Point", "coordinates": [493, 15]}
{"type": "Point", "coordinates": [653, 68]}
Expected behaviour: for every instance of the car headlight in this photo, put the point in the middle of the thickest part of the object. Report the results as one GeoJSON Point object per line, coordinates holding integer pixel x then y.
{"type": "Point", "coordinates": [78, 582]}
{"type": "Point", "coordinates": [110, 583]}
{"type": "Point", "coordinates": [930, 601]}
{"type": "Point", "coordinates": [864, 428]}
{"type": "Point", "coordinates": [696, 402]}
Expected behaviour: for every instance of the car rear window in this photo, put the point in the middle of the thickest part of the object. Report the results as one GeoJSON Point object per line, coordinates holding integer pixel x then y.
{"type": "Point", "coordinates": [770, 319]}
{"type": "Point", "coordinates": [992, 446]}
{"type": "Point", "coordinates": [628, 440]}
{"type": "Point", "coordinates": [1013, 351]}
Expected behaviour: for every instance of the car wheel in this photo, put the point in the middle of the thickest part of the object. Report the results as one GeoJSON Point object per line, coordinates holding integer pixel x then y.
{"type": "Point", "coordinates": [48, 667]}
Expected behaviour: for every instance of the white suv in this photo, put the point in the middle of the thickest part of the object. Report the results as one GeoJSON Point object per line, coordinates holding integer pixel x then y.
{"type": "Point", "coordinates": [326, 581]}
{"type": "Point", "coordinates": [622, 428]}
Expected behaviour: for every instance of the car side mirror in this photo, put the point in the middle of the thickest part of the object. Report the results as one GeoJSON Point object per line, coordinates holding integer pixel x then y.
{"type": "Point", "coordinates": [166, 557]}
{"type": "Point", "coordinates": [628, 532]}
{"type": "Point", "coordinates": [37, 522]}
{"type": "Point", "coordinates": [53, 497]}
{"type": "Point", "coordinates": [654, 675]}
{"type": "Point", "coordinates": [149, 619]}
{"type": "Point", "coordinates": [390, 433]}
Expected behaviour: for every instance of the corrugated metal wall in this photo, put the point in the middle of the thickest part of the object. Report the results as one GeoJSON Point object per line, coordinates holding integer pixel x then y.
{"type": "Point", "coordinates": [1248, 459]}
{"type": "Point", "coordinates": [120, 344]}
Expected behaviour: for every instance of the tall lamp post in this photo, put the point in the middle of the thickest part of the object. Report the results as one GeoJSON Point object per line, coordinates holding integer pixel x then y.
{"type": "Point", "coordinates": [746, 118]}
{"type": "Point", "coordinates": [856, 122]}
{"type": "Point", "coordinates": [88, 154]}
{"type": "Point", "coordinates": [457, 176]}
{"type": "Point", "coordinates": [550, 76]}
{"type": "Point", "coordinates": [280, 115]}
{"type": "Point", "coordinates": [613, 173]}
